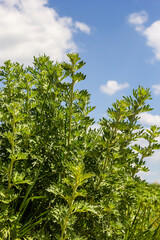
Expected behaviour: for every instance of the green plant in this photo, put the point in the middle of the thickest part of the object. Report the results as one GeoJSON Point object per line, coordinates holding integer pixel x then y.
{"type": "Point", "coordinates": [60, 179]}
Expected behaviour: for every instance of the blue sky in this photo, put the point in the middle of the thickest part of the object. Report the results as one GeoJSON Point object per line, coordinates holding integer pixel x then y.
{"type": "Point", "coordinates": [118, 40]}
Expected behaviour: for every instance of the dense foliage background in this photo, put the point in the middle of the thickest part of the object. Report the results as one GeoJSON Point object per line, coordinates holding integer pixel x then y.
{"type": "Point", "coordinates": [59, 178]}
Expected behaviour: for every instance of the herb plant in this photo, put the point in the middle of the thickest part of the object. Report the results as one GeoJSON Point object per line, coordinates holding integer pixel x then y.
{"type": "Point", "coordinates": [61, 179]}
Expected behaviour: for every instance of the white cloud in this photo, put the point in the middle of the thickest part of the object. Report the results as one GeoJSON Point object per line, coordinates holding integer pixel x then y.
{"type": "Point", "coordinates": [149, 119]}
{"type": "Point", "coordinates": [141, 141]}
{"type": "Point", "coordinates": [156, 89]}
{"type": "Point", "coordinates": [111, 87]}
{"type": "Point", "coordinates": [82, 27]}
{"type": "Point", "coordinates": [151, 176]}
{"type": "Point", "coordinates": [95, 126]}
{"type": "Point", "coordinates": [31, 28]}
{"type": "Point", "coordinates": [155, 158]}
{"type": "Point", "coordinates": [138, 18]}
{"type": "Point", "coordinates": [153, 162]}
{"type": "Point", "coordinates": [152, 33]}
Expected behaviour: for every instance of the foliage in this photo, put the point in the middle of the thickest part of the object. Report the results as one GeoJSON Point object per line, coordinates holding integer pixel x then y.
{"type": "Point", "coordinates": [61, 179]}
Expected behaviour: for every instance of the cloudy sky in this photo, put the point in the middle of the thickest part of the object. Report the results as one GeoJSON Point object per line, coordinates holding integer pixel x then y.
{"type": "Point", "coordinates": [118, 40]}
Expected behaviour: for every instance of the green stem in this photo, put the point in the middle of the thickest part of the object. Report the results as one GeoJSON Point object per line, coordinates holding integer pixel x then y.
{"type": "Point", "coordinates": [27, 110]}
{"type": "Point", "coordinates": [10, 174]}
{"type": "Point", "coordinates": [69, 213]}
{"type": "Point", "coordinates": [70, 112]}
{"type": "Point", "coordinates": [103, 172]}
{"type": "Point", "coordinates": [13, 151]}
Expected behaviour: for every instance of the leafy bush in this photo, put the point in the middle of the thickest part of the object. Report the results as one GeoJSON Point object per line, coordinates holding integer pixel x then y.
{"type": "Point", "coordinates": [61, 179]}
